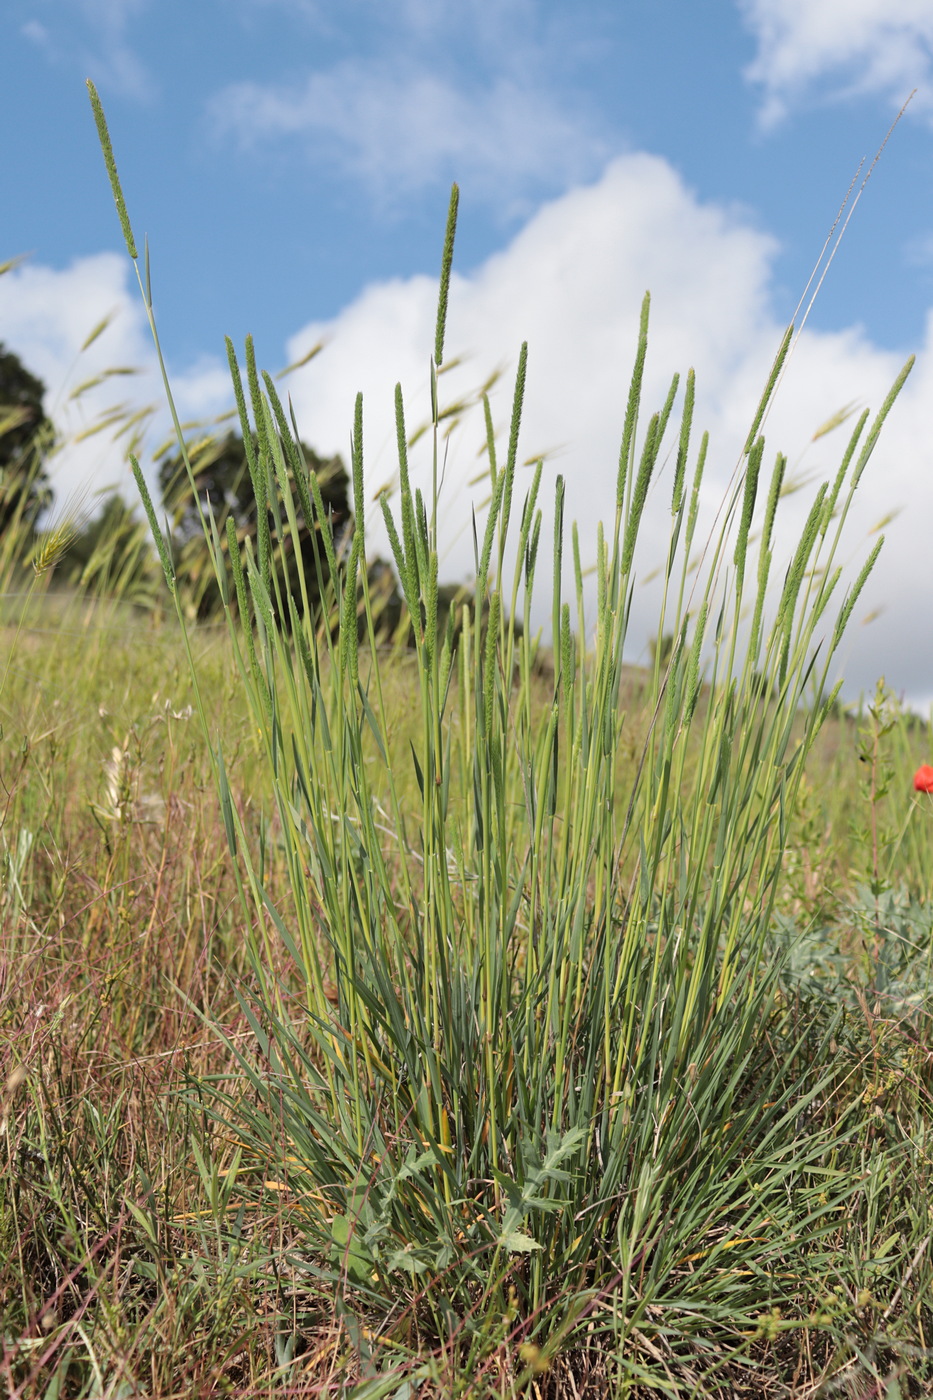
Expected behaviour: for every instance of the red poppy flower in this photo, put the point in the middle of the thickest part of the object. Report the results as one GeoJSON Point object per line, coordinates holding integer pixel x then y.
{"type": "Point", "coordinates": [923, 778]}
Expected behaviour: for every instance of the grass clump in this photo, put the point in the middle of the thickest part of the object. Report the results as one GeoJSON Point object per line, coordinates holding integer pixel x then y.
{"type": "Point", "coordinates": [530, 1056]}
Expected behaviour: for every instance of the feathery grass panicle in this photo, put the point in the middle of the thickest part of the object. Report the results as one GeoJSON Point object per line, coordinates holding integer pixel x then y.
{"type": "Point", "coordinates": [683, 447]}
{"type": "Point", "coordinates": [874, 431]}
{"type": "Point", "coordinates": [852, 596]}
{"type": "Point", "coordinates": [356, 460]}
{"type": "Point", "coordinates": [60, 534]}
{"type": "Point", "coordinates": [768, 393]}
{"type": "Point", "coordinates": [165, 558]}
{"type": "Point", "coordinates": [259, 466]}
{"type": "Point", "coordinates": [774, 492]}
{"type": "Point", "coordinates": [447, 259]}
{"type": "Point", "coordinates": [557, 553]}
{"type": "Point", "coordinates": [765, 553]}
{"type": "Point", "coordinates": [695, 492]}
{"type": "Point", "coordinates": [836, 488]}
{"type": "Point", "coordinates": [567, 667]}
{"type": "Point", "coordinates": [508, 475]}
{"type": "Point", "coordinates": [103, 136]}
{"type": "Point", "coordinates": [623, 476]}
{"type": "Point", "coordinates": [643, 480]}
{"type": "Point", "coordinates": [408, 584]}
{"type": "Point", "coordinates": [52, 545]}
{"type": "Point", "coordinates": [489, 536]}
{"type": "Point", "coordinates": [693, 666]}
{"type": "Point", "coordinates": [240, 400]}
{"type": "Point", "coordinates": [666, 411]}
{"type": "Point", "coordinates": [752, 469]}
{"type": "Point", "coordinates": [401, 439]}
{"type": "Point", "coordinates": [490, 439]}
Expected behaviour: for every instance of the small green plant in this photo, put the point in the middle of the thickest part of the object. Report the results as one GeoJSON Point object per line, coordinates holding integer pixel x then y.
{"type": "Point", "coordinates": [879, 774]}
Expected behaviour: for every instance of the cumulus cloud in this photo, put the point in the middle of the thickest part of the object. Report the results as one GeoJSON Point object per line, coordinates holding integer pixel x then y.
{"type": "Point", "coordinates": [849, 46]}
{"type": "Point", "coordinates": [47, 315]}
{"type": "Point", "coordinates": [571, 283]}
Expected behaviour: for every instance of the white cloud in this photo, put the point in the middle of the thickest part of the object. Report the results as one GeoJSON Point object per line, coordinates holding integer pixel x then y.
{"type": "Point", "coordinates": [571, 283]}
{"type": "Point", "coordinates": [846, 46]}
{"type": "Point", "coordinates": [101, 48]}
{"type": "Point", "coordinates": [482, 28]}
{"type": "Point", "coordinates": [918, 252]}
{"type": "Point", "coordinates": [398, 128]}
{"type": "Point", "coordinates": [34, 31]}
{"type": "Point", "coordinates": [46, 315]}
{"type": "Point", "coordinates": [482, 92]}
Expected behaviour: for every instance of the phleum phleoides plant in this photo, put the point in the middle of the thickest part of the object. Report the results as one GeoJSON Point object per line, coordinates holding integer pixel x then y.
{"type": "Point", "coordinates": [531, 1073]}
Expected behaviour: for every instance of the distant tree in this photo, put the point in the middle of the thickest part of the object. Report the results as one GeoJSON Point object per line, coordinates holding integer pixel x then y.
{"type": "Point", "coordinates": [661, 652]}
{"type": "Point", "coordinates": [26, 439]}
{"type": "Point", "coordinates": [223, 483]}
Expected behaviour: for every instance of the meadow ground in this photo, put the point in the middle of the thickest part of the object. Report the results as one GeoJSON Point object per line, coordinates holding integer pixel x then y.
{"type": "Point", "coordinates": [145, 1254]}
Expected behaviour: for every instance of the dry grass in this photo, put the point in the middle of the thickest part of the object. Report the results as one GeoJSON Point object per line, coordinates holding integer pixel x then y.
{"type": "Point", "coordinates": [134, 1261]}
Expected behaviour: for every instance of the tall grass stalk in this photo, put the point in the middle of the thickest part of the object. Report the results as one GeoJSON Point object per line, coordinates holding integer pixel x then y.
{"type": "Point", "coordinates": [534, 1074]}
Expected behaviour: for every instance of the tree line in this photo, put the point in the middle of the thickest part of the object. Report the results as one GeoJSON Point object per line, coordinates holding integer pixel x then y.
{"type": "Point", "coordinates": [111, 554]}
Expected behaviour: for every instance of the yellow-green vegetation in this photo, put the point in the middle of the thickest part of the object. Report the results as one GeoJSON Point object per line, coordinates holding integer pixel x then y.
{"type": "Point", "coordinates": [147, 1247]}
{"type": "Point", "coordinates": [465, 1021]}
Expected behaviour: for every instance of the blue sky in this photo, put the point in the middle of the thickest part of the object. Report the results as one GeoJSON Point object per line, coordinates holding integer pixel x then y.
{"type": "Point", "coordinates": [291, 160]}
{"type": "Point", "coordinates": [281, 151]}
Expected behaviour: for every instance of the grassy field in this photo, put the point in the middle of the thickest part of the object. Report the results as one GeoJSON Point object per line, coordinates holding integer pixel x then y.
{"type": "Point", "coordinates": [467, 1019]}
{"type": "Point", "coordinates": [148, 1253]}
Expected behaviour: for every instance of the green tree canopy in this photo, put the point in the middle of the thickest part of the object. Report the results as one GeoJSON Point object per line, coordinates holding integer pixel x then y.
{"type": "Point", "coordinates": [223, 484]}
{"type": "Point", "coordinates": [26, 439]}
